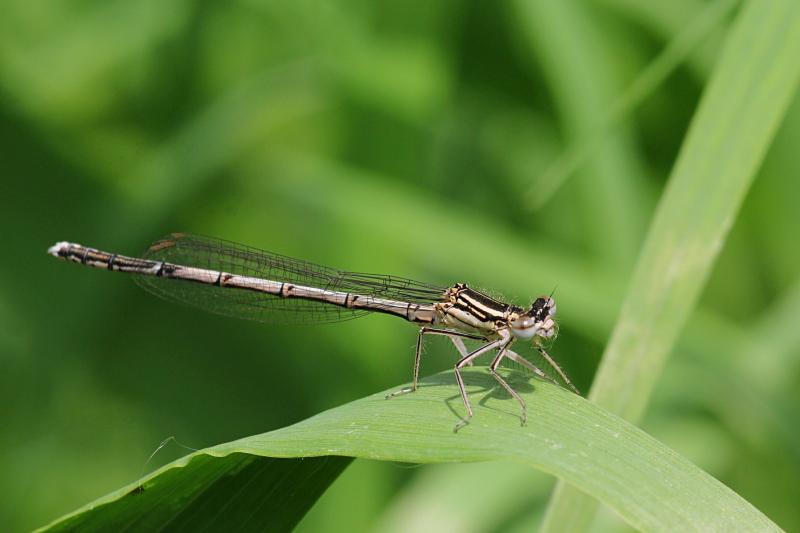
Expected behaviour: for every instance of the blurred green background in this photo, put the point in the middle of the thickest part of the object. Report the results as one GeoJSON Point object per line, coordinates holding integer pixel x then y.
{"type": "Point", "coordinates": [375, 136]}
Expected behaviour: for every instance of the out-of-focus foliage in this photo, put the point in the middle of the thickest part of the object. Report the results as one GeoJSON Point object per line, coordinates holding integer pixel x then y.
{"type": "Point", "coordinates": [747, 96]}
{"type": "Point", "coordinates": [388, 137]}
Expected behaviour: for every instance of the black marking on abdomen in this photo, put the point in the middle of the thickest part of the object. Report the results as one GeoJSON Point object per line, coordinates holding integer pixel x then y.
{"type": "Point", "coordinates": [168, 269]}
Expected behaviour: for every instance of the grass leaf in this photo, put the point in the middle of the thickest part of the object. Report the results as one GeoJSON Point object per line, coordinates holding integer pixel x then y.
{"type": "Point", "coordinates": [746, 99]}
{"type": "Point", "coordinates": [649, 79]}
{"type": "Point", "coordinates": [267, 481]}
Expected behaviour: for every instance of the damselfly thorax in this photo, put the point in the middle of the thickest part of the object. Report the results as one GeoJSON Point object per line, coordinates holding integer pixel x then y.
{"type": "Point", "coordinates": [468, 310]}
{"type": "Point", "coordinates": [236, 280]}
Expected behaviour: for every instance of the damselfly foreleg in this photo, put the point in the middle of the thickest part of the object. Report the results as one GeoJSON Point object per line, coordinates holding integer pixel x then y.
{"type": "Point", "coordinates": [557, 368]}
{"type": "Point", "coordinates": [455, 336]}
{"type": "Point", "coordinates": [514, 356]}
{"type": "Point", "coordinates": [536, 370]}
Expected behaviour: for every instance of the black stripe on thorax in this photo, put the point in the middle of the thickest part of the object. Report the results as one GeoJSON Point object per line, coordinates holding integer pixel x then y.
{"type": "Point", "coordinates": [482, 306]}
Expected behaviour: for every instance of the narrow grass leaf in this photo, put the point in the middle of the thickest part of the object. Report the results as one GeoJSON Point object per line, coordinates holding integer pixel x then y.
{"type": "Point", "coordinates": [648, 80]}
{"type": "Point", "coordinates": [737, 118]}
{"type": "Point", "coordinates": [266, 481]}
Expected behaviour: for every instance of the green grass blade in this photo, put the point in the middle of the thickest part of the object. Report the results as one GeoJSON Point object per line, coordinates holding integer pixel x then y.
{"type": "Point", "coordinates": [665, 20]}
{"type": "Point", "coordinates": [645, 84]}
{"type": "Point", "coordinates": [648, 484]}
{"type": "Point", "coordinates": [206, 491]}
{"type": "Point", "coordinates": [609, 186]}
{"type": "Point", "coordinates": [748, 95]}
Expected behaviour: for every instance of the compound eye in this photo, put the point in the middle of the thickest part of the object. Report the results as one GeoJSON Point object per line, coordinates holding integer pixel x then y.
{"type": "Point", "coordinates": [542, 308]}
{"type": "Point", "coordinates": [524, 328]}
{"type": "Point", "coordinates": [551, 305]}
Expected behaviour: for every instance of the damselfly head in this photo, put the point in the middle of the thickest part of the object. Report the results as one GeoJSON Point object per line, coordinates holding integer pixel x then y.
{"type": "Point", "coordinates": [536, 321]}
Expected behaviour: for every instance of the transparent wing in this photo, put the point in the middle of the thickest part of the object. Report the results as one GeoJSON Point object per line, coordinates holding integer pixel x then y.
{"type": "Point", "coordinates": [225, 256]}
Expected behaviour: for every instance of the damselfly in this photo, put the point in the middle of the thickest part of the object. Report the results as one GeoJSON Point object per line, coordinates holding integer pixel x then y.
{"type": "Point", "coordinates": [236, 280]}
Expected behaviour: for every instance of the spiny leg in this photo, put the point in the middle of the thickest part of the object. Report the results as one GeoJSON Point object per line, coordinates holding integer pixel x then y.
{"type": "Point", "coordinates": [536, 370]}
{"type": "Point", "coordinates": [464, 361]}
{"type": "Point", "coordinates": [453, 335]}
{"type": "Point", "coordinates": [493, 369]}
{"type": "Point", "coordinates": [459, 344]}
{"type": "Point", "coordinates": [514, 356]}
{"type": "Point", "coordinates": [557, 368]}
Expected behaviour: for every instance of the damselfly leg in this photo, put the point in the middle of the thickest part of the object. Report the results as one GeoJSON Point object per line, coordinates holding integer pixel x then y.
{"type": "Point", "coordinates": [557, 368]}
{"type": "Point", "coordinates": [455, 336]}
{"type": "Point", "coordinates": [464, 361]}
{"type": "Point", "coordinates": [240, 281]}
{"type": "Point", "coordinates": [493, 369]}
{"type": "Point", "coordinates": [514, 356]}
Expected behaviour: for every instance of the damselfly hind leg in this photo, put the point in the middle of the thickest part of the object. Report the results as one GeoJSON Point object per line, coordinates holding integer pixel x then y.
{"type": "Point", "coordinates": [454, 336]}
